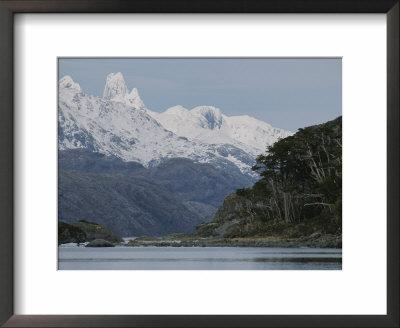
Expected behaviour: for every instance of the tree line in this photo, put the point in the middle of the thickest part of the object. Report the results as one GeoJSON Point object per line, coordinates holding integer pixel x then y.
{"type": "Point", "coordinates": [301, 176]}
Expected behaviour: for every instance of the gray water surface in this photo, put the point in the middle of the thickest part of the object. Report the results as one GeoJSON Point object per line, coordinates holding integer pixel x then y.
{"type": "Point", "coordinates": [199, 258]}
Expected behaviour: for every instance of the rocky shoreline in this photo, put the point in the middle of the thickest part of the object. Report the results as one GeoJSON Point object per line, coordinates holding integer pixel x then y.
{"type": "Point", "coordinates": [315, 240]}
{"type": "Point", "coordinates": [94, 235]}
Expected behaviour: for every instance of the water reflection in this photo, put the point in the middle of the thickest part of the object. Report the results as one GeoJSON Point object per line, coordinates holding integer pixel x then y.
{"type": "Point", "coordinates": [194, 258]}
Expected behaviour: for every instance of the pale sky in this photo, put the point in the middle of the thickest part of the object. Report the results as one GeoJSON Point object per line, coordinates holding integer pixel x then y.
{"type": "Point", "coordinates": [286, 93]}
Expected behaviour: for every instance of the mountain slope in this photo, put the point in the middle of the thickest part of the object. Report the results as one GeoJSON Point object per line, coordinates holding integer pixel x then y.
{"type": "Point", "coordinates": [133, 200]}
{"type": "Point", "coordinates": [113, 128]}
{"type": "Point", "coordinates": [196, 181]}
{"type": "Point", "coordinates": [124, 204]}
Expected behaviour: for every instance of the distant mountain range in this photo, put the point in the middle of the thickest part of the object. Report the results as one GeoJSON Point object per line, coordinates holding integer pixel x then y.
{"type": "Point", "coordinates": [119, 124]}
{"type": "Point", "coordinates": [138, 172]}
{"type": "Point", "coordinates": [208, 125]}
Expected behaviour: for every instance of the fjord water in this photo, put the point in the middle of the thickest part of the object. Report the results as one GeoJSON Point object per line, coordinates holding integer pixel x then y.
{"type": "Point", "coordinates": [199, 258]}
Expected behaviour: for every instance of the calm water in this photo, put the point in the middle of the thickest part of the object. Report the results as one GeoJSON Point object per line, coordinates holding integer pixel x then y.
{"type": "Point", "coordinates": [199, 258]}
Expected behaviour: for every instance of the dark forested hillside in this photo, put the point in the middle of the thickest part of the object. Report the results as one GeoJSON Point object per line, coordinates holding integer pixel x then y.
{"type": "Point", "coordinates": [299, 192]}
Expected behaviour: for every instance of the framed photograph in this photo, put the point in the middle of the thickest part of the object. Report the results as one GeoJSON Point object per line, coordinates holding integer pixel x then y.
{"type": "Point", "coordinates": [172, 188]}
{"type": "Point", "coordinates": [214, 164]}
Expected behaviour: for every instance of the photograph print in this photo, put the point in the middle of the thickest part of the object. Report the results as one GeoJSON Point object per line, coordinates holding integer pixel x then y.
{"type": "Point", "coordinates": [199, 163]}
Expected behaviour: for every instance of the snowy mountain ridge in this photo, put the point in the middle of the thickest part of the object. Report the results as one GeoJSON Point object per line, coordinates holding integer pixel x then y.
{"type": "Point", "coordinates": [119, 124]}
{"type": "Point", "coordinates": [208, 125]}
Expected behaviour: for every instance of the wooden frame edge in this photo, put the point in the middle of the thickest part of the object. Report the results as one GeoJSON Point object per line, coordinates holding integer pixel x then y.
{"type": "Point", "coordinates": [6, 165]}
{"type": "Point", "coordinates": [9, 7]}
{"type": "Point", "coordinates": [393, 167]}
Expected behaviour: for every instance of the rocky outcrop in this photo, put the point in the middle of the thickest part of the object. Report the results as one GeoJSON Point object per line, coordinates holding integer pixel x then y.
{"type": "Point", "coordinates": [240, 222]}
{"type": "Point", "coordinates": [68, 233]}
{"type": "Point", "coordinates": [83, 231]}
{"type": "Point", "coordinates": [237, 217]}
{"type": "Point", "coordinates": [99, 243]}
{"type": "Point", "coordinates": [96, 231]}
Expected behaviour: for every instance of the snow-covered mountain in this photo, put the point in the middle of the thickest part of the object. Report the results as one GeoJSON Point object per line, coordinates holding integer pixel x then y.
{"type": "Point", "coordinates": [119, 124]}
{"type": "Point", "coordinates": [208, 125]}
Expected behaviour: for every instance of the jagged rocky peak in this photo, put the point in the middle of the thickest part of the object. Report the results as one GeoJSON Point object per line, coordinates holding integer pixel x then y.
{"type": "Point", "coordinates": [133, 99]}
{"type": "Point", "coordinates": [212, 115]}
{"type": "Point", "coordinates": [116, 90]}
{"type": "Point", "coordinates": [66, 82]}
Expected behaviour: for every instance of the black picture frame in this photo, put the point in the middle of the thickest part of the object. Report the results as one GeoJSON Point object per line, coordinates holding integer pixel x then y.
{"type": "Point", "coordinates": [10, 7]}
